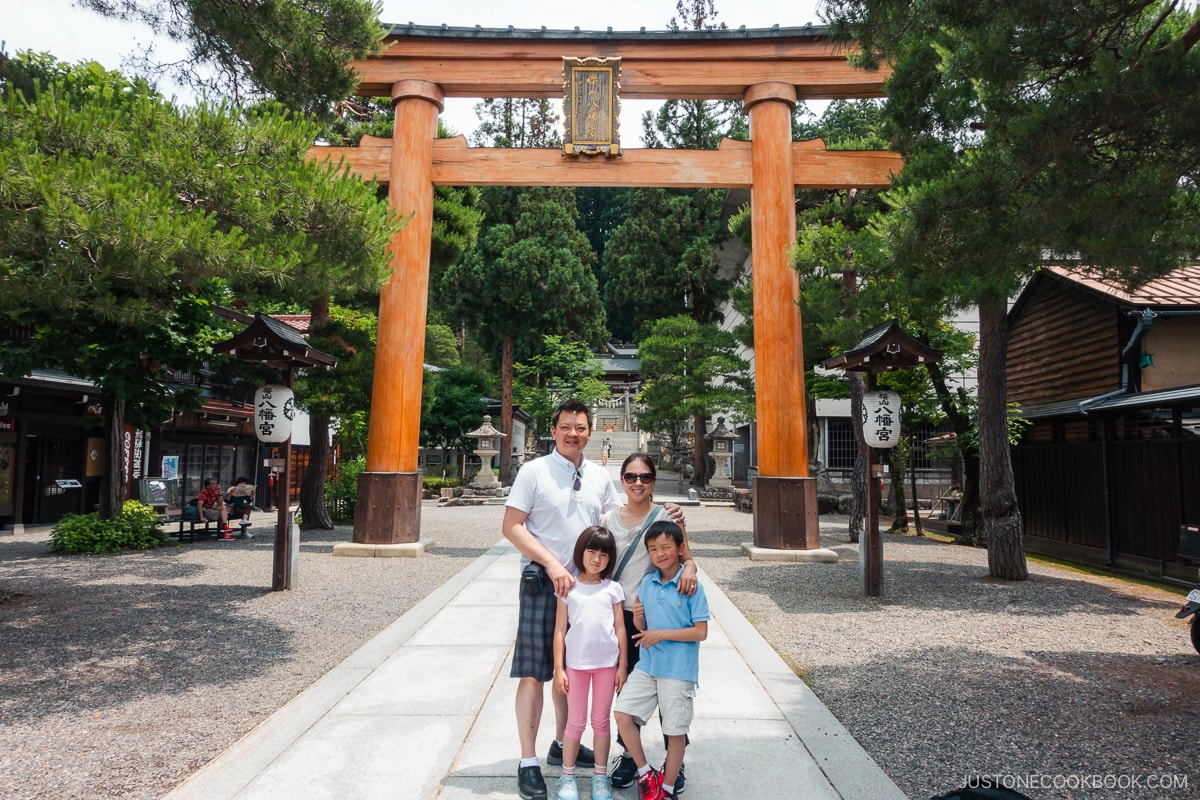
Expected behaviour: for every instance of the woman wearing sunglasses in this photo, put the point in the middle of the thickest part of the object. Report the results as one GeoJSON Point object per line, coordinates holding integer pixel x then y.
{"type": "Point", "coordinates": [628, 525]}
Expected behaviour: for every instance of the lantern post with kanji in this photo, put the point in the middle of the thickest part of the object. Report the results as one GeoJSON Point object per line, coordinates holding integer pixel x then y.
{"type": "Point", "coordinates": [270, 342]}
{"type": "Point", "coordinates": [885, 348]}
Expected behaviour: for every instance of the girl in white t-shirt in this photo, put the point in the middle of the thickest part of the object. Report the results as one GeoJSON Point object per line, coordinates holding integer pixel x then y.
{"type": "Point", "coordinates": [589, 652]}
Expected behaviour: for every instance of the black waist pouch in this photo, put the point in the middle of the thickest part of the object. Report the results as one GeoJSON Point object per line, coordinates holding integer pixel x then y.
{"type": "Point", "coordinates": [532, 578]}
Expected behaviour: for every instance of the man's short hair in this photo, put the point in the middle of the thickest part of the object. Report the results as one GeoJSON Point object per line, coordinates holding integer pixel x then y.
{"type": "Point", "coordinates": [572, 406]}
{"type": "Point", "coordinates": [664, 527]}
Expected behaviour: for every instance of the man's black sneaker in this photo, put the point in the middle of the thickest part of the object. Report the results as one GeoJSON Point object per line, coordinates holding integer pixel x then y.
{"type": "Point", "coordinates": [586, 757]}
{"type": "Point", "coordinates": [681, 781]}
{"type": "Point", "coordinates": [625, 772]}
{"type": "Point", "coordinates": [530, 783]}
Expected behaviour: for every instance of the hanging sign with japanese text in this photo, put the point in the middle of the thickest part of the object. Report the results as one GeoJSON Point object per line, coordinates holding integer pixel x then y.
{"type": "Point", "coordinates": [592, 106]}
{"type": "Point", "coordinates": [274, 410]}
{"type": "Point", "coordinates": [881, 419]}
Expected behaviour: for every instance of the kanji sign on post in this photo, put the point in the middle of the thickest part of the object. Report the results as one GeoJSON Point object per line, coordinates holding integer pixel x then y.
{"type": "Point", "coordinates": [274, 410]}
{"type": "Point", "coordinates": [881, 419]}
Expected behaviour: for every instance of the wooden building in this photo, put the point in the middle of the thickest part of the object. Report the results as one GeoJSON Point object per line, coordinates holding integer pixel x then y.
{"type": "Point", "coordinates": [1109, 470]}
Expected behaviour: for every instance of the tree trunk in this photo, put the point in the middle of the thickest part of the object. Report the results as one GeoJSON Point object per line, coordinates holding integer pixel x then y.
{"type": "Point", "coordinates": [1001, 516]}
{"type": "Point", "coordinates": [960, 424]}
{"type": "Point", "coordinates": [112, 485]}
{"type": "Point", "coordinates": [700, 451]}
{"type": "Point", "coordinates": [858, 481]}
{"type": "Point", "coordinates": [912, 482]}
{"type": "Point", "coordinates": [313, 512]}
{"type": "Point", "coordinates": [896, 460]}
{"type": "Point", "coordinates": [506, 410]}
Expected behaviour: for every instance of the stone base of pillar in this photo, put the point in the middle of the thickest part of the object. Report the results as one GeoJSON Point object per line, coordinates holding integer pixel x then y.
{"type": "Point", "coordinates": [785, 513]}
{"type": "Point", "coordinates": [388, 508]}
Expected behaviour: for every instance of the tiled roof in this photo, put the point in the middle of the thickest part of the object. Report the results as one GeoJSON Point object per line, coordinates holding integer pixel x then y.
{"type": "Point", "coordinates": [1180, 289]}
{"type": "Point", "coordinates": [297, 321]}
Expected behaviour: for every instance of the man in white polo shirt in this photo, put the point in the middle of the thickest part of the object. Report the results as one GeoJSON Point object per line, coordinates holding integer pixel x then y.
{"type": "Point", "coordinates": [552, 500]}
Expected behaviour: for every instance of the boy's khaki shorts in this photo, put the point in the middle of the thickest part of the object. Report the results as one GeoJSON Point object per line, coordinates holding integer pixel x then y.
{"type": "Point", "coordinates": [642, 693]}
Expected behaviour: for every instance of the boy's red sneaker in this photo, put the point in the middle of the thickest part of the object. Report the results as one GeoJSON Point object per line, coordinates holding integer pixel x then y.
{"type": "Point", "coordinates": [651, 785]}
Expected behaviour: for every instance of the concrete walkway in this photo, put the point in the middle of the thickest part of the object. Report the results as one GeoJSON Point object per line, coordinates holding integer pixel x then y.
{"type": "Point", "coordinates": [425, 710]}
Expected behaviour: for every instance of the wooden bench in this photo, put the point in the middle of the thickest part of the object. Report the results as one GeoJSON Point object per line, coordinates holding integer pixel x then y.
{"type": "Point", "coordinates": [207, 526]}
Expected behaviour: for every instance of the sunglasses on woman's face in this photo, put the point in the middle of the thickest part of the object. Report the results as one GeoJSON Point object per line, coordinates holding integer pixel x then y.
{"type": "Point", "coordinates": [634, 477]}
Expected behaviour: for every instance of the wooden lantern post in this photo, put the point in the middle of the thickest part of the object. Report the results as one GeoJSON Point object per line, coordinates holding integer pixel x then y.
{"type": "Point", "coordinates": [885, 348]}
{"type": "Point", "coordinates": [270, 342]}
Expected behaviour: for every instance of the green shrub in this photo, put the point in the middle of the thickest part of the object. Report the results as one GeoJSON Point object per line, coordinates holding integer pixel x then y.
{"type": "Point", "coordinates": [136, 529]}
{"type": "Point", "coordinates": [341, 490]}
{"type": "Point", "coordinates": [436, 484]}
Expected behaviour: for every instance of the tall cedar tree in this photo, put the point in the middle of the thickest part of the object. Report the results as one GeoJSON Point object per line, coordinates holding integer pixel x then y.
{"type": "Point", "coordinates": [1032, 127]}
{"type": "Point", "coordinates": [661, 261]}
{"type": "Point", "coordinates": [531, 272]}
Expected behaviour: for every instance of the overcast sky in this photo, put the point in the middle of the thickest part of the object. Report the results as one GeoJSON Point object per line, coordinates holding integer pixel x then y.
{"type": "Point", "coordinates": [72, 34]}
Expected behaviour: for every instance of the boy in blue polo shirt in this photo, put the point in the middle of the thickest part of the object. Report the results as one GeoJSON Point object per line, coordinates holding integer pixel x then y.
{"type": "Point", "coordinates": [671, 628]}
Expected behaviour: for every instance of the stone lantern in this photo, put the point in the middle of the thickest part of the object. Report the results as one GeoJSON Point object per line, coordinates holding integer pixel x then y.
{"type": "Point", "coordinates": [487, 446]}
{"type": "Point", "coordinates": [721, 449]}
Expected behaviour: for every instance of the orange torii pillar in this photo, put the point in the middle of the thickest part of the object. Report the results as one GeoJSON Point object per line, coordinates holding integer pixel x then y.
{"type": "Point", "coordinates": [785, 497]}
{"type": "Point", "coordinates": [389, 489]}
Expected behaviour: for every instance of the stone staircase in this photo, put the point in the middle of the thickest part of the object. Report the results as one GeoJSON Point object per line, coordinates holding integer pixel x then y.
{"type": "Point", "coordinates": [623, 443]}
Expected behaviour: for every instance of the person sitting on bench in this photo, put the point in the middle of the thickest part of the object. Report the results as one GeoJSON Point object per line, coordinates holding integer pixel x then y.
{"type": "Point", "coordinates": [241, 501]}
{"type": "Point", "coordinates": [212, 506]}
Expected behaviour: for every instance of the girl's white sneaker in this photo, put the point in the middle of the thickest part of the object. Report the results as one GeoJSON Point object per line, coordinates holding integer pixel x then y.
{"type": "Point", "coordinates": [601, 788]}
{"type": "Point", "coordinates": [567, 789]}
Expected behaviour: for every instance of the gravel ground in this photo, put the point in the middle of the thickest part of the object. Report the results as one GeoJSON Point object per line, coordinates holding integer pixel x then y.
{"type": "Point", "coordinates": [121, 674]}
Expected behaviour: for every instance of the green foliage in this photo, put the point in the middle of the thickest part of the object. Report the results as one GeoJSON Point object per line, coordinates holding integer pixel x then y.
{"type": "Point", "coordinates": [135, 529]}
{"type": "Point", "coordinates": [693, 371]}
{"type": "Point", "coordinates": [661, 260]}
{"type": "Point", "coordinates": [441, 345]}
{"type": "Point", "coordinates": [827, 387]}
{"type": "Point", "coordinates": [562, 369]}
{"type": "Point", "coordinates": [349, 336]}
{"type": "Point", "coordinates": [297, 53]}
{"type": "Point", "coordinates": [1034, 126]}
{"type": "Point", "coordinates": [435, 483]}
{"type": "Point", "coordinates": [456, 406]}
{"type": "Point", "coordinates": [341, 488]}
{"type": "Point", "coordinates": [1016, 425]}
{"type": "Point", "coordinates": [530, 274]}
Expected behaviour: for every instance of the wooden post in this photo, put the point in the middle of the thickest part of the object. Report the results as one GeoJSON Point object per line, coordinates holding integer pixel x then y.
{"type": "Point", "coordinates": [785, 497]}
{"type": "Point", "coordinates": [389, 490]}
{"type": "Point", "coordinates": [870, 546]}
{"type": "Point", "coordinates": [281, 573]}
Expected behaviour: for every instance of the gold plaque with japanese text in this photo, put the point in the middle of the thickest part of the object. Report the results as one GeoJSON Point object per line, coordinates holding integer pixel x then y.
{"type": "Point", "coordinates": [592, 106]}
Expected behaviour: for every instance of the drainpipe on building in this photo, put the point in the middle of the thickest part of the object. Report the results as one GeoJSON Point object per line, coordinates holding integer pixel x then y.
{"type": "Point", "coordinates": [1145, 319]}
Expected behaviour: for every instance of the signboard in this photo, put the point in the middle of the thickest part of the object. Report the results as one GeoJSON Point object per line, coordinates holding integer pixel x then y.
{"type": "Point", "coordinates": [170, 467]}
{"type": "Point", "coordinates": [592, 106]}
{"type": "Point", "coordinates": [8, 424]}
{"type": "Point", "coordinates": [274, 410]}
{"type": "Point", "coordinates": [881, 419]}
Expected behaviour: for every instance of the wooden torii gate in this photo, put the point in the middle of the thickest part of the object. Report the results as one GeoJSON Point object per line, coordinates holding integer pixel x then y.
{"type": "Point", "coordinates": [767, 70]}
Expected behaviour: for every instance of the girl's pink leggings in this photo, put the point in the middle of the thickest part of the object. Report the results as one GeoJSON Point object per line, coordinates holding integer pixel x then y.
{"type": "Point", "coordinates": [602, 683]}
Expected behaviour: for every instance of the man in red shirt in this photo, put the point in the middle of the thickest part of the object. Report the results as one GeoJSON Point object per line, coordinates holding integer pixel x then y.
{"type": "Point", "coordinates": [212, 506]}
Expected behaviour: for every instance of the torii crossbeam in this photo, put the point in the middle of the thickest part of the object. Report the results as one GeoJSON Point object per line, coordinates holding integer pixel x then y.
{"type": "Point", "coordinates": [767, 70]}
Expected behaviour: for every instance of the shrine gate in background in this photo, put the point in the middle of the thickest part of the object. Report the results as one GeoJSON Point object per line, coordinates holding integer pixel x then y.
{"type": "Point", "coordinates": [768, 71]}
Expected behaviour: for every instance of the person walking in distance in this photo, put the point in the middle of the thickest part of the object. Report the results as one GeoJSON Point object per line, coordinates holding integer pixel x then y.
{"type": "Point", "coordinates": [589, 652]}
